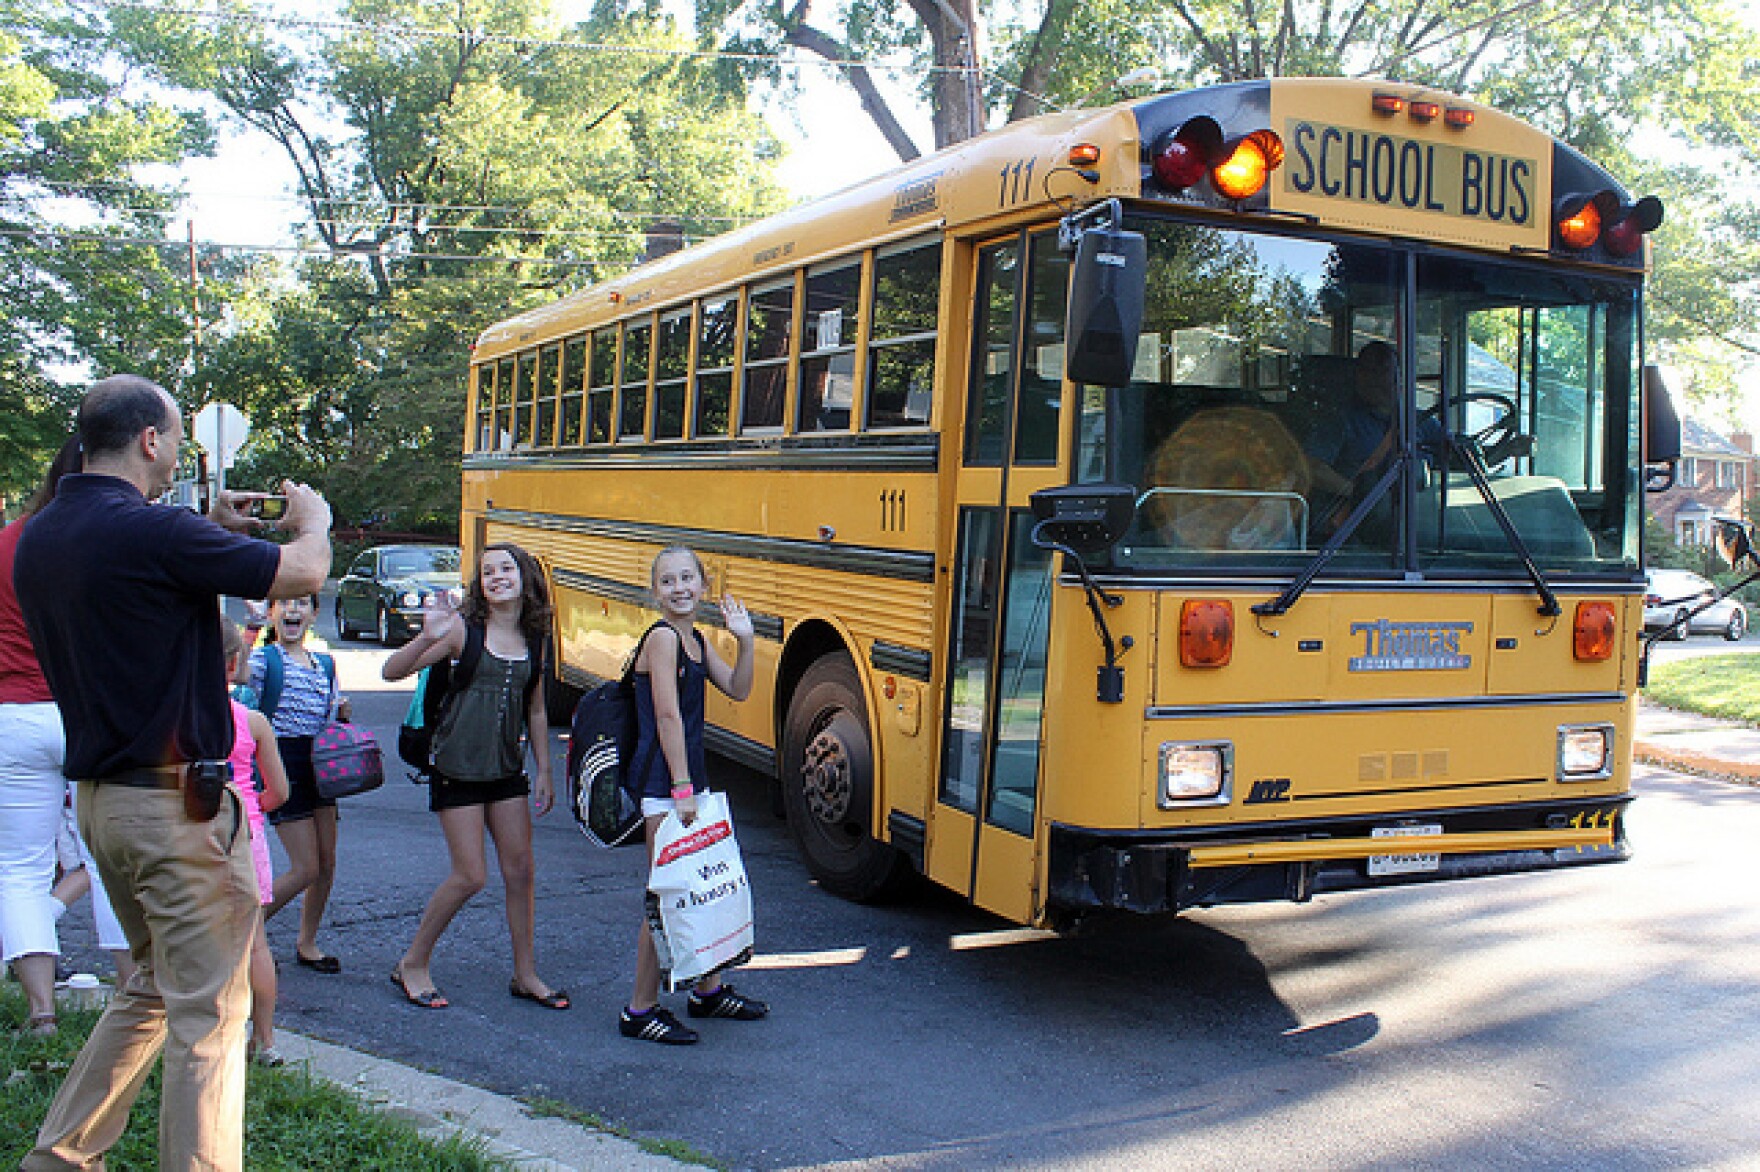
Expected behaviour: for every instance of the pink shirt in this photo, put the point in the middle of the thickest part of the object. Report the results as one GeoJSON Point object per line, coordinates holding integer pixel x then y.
{"type": "Point", "coordinates": [244, 754]}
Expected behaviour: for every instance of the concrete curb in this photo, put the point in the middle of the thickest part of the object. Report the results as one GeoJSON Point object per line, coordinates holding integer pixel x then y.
{"type": "Point", "coordinates": [1687, 760]}
{"type": "Point", "coordinates": [439, 1107]}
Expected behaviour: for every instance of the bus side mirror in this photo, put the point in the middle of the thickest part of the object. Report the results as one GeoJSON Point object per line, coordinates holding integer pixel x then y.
{"type": "Point", "coordinates": [1735, 542]}
{"type": "Point", "coordinates": [1662, 432]}
{"type": "Point", "coordinates": [1106, 306]}
{"type": "Point", "coordinates": [1087, 518]}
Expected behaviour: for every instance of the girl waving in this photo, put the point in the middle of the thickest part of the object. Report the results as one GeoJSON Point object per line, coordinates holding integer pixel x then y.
{"type": "Point", "coordinates": [494, 711]}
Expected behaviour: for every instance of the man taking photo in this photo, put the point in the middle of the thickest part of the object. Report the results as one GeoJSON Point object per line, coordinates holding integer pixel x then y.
{"type": "Point", "coordinates": [121, 597]}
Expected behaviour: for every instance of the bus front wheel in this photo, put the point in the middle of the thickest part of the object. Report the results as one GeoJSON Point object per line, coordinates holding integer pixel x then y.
{"type": "Point", "coordinates": [828, 782]}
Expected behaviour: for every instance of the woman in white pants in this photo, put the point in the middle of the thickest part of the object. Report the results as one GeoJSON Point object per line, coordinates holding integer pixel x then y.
{"type": "Point", "coordinates": [33, 793]}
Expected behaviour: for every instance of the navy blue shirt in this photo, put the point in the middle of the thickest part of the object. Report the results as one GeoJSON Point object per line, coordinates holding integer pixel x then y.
{"type": "Point", "coordinates": [122, 601]}
{"type": "Point", "coordinates": [649, 776]}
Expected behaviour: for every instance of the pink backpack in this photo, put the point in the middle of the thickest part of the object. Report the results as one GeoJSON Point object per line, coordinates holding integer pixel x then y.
{"type": "Point", "coordinates": [346, 761]}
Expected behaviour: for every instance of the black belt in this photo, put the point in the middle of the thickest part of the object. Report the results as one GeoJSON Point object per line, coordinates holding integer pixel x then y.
{"type": "Point", "coordinates": [149, 776]}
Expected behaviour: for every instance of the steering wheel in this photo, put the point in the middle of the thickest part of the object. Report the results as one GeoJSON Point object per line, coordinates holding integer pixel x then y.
{"type": "Point", "coordinates": [1494, 435]}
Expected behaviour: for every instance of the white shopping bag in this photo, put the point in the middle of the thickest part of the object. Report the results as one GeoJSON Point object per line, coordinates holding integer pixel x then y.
{"type": "Point", "coordinates": [704, 901]}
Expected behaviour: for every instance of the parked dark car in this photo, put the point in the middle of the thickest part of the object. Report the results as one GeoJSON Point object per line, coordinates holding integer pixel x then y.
{"type": "Point", "coordinates": [386, 588]}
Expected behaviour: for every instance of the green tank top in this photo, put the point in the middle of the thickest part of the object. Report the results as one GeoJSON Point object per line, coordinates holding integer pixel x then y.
{"type": "Point", "coordinates": [482, 737]}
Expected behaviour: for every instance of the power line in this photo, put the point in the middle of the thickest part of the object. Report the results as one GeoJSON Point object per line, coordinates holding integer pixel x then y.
{"type": "Point", "coordinates": [411, 207]}
{"type": "Point", "coordinates": [298, 249]}
{"type": "Point", "coordinates": [483, 36]}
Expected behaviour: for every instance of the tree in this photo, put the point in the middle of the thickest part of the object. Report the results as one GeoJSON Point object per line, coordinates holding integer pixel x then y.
{"type": "Point", "coordinates": [1603, 75]}
{"type": "Point", "coordinates": [459, 163]}
{"type": "Point", "coordinates": [100, 296]}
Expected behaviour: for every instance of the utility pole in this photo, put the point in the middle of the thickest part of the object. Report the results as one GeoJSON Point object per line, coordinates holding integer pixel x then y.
{"type": "Point", "coordinates": [195, 300]}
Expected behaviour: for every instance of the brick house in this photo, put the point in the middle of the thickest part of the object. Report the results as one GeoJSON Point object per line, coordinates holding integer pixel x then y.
{"type": "Point", "coordinates": [1715, 476]}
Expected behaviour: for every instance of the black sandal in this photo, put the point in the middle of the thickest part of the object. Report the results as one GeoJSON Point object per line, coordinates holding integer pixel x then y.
{"type": "Point", "coordinates": [322, 964]}
{"type": "Point", "coordinates": [427, 998]}
{"type": "Point", "coordinates": [554, 999]}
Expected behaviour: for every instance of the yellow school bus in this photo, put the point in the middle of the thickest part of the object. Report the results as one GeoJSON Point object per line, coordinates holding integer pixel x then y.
{"type": "Point", "coordinates": [1224, 496]}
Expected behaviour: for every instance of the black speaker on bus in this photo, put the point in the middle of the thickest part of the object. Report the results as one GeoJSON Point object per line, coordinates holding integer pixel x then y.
{"type": "Point", "coordinates": [1106, 306]}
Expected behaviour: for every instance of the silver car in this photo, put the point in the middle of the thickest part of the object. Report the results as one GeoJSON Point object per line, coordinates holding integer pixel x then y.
{"type": "Point", "coordinates": [1672, 594]}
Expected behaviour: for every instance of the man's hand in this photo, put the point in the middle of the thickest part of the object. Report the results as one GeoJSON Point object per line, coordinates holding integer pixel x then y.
{"type": "Point", "coordinates": [307, 512]}
{"type": "Point", "coordinates": [226, 512]}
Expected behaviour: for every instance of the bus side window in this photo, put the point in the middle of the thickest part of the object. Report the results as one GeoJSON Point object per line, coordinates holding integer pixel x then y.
{"type": "Point", "coordinates": [549, 384]}
{"type": "Point", "coordinates": [769, 322]}
{"type": "Point", "coordinates": [504, 412]}
{"type": "Point", "coordinates": [485, 431]}
{"type": "Point", "coordinates": [672, 353]}
{"type": "Point", "coordinates": [716, 343]}
{"type": "Point", "coordinates": [828, 357]}
{"type": "Point", "coordinates": [601, 381]}
{"type": "Point", "coordinates": [525, 402]}
{"type": "Point", "coordinates": [632, 419]}
{"type": "Point", "coordinates": [574, 363]}
{"type": "Point", "coordinates": [901, 346]}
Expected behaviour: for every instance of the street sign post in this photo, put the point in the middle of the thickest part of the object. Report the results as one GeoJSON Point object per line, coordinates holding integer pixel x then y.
{"type": "Point", "coordinates": [221, 429]}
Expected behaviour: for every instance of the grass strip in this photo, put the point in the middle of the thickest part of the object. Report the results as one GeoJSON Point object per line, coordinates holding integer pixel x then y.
{"type": "Point", "coordinates": [1711, 685]}
{"type": "Point", "coordinates": [292, 1120]}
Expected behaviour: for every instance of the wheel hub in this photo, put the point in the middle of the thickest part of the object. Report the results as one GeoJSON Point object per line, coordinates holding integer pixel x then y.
{"type": "Point", "coordinates": [825, 777]}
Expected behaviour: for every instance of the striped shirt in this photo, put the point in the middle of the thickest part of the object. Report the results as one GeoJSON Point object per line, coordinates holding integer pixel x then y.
{"type": "Point", "coordinates": [306, 695]}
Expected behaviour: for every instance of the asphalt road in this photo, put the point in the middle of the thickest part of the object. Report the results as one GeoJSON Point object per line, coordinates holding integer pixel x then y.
{"type": "Point", "coordinates": [1599, 1018]}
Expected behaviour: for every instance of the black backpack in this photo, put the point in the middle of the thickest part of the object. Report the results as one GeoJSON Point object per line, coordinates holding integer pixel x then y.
{"type": "Point", "coordinates": [438, 683]}
{"type": "Point", "coordinates": [601, 740]}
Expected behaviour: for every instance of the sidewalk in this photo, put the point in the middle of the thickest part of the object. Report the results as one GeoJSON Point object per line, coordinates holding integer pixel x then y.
{"type": "Point", "coordinates": [1697, 744]}
{"type": "Point", "coordinates": [439, 1107]}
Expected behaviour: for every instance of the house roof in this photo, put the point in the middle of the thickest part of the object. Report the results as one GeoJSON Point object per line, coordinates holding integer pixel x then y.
{"type": "Point", "coordinates": [1698, 439]}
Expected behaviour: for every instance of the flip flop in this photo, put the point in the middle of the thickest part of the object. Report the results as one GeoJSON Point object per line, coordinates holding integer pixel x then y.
{"type": "Point", "coordinates": [427, 998]}
{"type": "Point", "coordinates": [554, 999]}
{"type": "Point", "coordinates": [322, 964]}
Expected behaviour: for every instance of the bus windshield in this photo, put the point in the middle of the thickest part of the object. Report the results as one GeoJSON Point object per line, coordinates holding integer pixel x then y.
{"type": "Point", "coordinates": [1272, 394]}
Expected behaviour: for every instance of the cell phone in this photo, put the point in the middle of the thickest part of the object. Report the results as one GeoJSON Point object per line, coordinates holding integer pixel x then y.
{"type": "Point", "coordinates": [204, 783]}
{"type": "Point", "coordinates": [267, 508]}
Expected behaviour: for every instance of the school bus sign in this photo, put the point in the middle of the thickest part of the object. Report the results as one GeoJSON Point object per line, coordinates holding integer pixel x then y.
{"type": "Point", "coordinates": [1488, 183]}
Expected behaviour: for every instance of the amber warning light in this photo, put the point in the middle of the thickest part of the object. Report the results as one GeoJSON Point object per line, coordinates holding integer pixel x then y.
{"type": "Point", "coordinates": [1580, 220]}
{"type": "Point", "coordinates": [1206, 633]}
{"type": "Point", "coordinates": [1236, 167]}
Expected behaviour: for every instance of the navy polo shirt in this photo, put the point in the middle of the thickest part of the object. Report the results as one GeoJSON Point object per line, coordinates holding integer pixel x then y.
{"type": "Point", "coordinates": [122, 601]}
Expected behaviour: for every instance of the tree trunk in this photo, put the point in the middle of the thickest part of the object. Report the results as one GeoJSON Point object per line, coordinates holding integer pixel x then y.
{"type": "Point", "coordinates": [955, 95]}
{"type": "Point", "coordinates": [813, 41]}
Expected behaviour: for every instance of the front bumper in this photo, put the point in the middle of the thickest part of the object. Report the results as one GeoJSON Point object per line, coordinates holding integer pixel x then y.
{"type": "Point", "coordinates": [1164, 871]}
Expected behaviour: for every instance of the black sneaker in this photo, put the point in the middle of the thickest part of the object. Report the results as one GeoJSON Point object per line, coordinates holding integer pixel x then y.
{"type": "Point", "coordinates": [657, 1025]}
{"type": "Point", "coordinates": [724, 1002]}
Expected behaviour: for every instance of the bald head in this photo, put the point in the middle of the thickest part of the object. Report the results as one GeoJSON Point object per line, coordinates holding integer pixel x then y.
{"type": "Point", "coordinates": [118, 409]}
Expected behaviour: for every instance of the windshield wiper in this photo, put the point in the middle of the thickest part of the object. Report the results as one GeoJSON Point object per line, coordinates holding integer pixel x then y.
{"type": "Point", "coordinates": [1325, 554]}
{"type": "Point", "coordinates": [1476, 473]}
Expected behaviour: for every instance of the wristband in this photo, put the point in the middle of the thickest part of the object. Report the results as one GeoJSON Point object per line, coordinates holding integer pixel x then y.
{"type": "Point", "coordinates": [682, 791]}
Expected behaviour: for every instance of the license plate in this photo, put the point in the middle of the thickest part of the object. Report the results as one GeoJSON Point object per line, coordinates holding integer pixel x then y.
{"type": "Point", "coordinates": [1403, 864]}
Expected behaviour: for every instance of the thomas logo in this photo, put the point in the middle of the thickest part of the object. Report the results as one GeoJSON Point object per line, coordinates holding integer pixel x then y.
{"type": "Point", "coordinates": [1391, 646]}
{"type": "Point", "coordinates": [917, 198]}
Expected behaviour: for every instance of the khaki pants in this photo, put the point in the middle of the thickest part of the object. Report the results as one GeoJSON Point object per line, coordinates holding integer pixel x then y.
{"type": "Point", "coordinates": [186, 893]}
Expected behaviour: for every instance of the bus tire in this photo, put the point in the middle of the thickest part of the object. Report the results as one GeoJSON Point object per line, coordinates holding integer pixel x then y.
{"type": "Point", "coordinates": [827, 775]}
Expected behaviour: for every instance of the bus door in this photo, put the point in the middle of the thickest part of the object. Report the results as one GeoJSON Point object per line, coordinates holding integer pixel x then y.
{"type": "Point", "coordinates": [982, 838]}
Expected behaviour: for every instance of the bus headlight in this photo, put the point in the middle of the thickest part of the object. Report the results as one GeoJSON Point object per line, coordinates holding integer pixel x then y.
{"type": "Point", "coordinates": [411, 599]}
{"type": "Point", "coordinates": [1195, 773]}
{"type": "Point", "coordinates": [1585, 752]}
